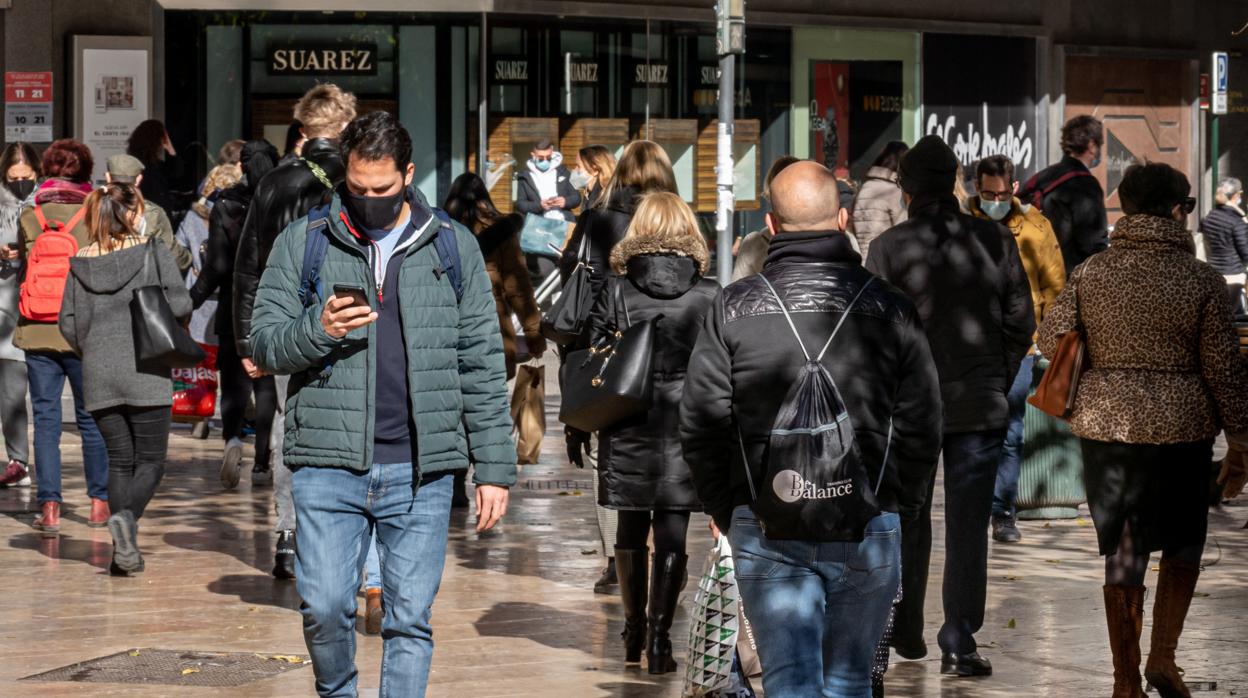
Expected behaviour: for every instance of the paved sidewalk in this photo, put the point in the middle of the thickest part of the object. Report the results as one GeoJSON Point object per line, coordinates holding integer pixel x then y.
{"type": "Point", "coordinates": [516, 616]}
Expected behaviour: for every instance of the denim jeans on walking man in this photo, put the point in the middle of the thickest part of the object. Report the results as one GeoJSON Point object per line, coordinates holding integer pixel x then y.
{"type": "Point", "coordinates": [1006, 489]}
{"type": "Point", "coordinates": [47, 372]}
{"type": "Point", "coordinates": [338, 512]}
{"type": "Point", "coordinates": [817, 609]}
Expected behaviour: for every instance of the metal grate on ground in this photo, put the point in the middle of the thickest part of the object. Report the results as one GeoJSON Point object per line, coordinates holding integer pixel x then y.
{"type": "Point", "coordinates": [558, 485]}
{"type": "Point", "coordinates": [176, 668]}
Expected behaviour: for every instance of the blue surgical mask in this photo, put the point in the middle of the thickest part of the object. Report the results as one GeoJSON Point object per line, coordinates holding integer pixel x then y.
{"type": "Point", "coordinates": [1096, 161]}
{"type": "Point", "coordinates": [543, 165]}
{"type": "Point", "coordinates": [996, 210]}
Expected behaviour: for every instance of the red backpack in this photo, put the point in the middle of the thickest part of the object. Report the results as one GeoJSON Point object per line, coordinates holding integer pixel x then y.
{"type": "Point", "coordinates": [47, 268]}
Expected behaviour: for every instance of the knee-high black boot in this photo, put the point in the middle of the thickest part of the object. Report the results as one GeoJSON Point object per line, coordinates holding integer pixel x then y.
{"type": "Point", "coordinates": [630, 566]}
{"type": "Point", "coordinates": [665, 583]}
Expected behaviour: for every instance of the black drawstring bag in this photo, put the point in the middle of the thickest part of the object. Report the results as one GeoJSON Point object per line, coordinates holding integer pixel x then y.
{"type": "Point", "coordinates": [568, 317]}
{"type": "Point", "coordinates": [159, 339]}
{"type": "Point", "coordinates": [815, 485]}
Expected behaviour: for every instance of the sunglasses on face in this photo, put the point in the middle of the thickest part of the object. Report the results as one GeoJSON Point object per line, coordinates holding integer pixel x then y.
{"type": "Point", "coordinates": [1188, 205]}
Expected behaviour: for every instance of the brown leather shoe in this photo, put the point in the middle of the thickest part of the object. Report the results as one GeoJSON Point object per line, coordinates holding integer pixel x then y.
{"type": "Point", "coordinates": [1124, 615]}
{"type": "Point", "coordinates": [1175, 585]}
{"type": "Point", "coordinates": [99, 513]}
{"type": "Point", "coordinates": [373, 613]}
{"type": "Point", "coordinates": [49, 521]}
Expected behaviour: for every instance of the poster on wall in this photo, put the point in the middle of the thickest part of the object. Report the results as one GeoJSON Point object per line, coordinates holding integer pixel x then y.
{"type": "Point", "coordinates": [855, 108]}
{"type": "Point", "coordinates": [112, 92]}
{"type": "Point", "coordinates": [978, 117]}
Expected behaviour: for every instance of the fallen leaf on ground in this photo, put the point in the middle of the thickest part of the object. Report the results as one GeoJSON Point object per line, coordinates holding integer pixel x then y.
{"type": "Point", "coordinates": [1200, 594]}
{"type": "Point", "coordinates": [1083, 522]}
{"type": "Point", "coordinates": [1048, 525]}
{"type": "Point", "coordinates": [190, 670]}
{"type": "Point", "coordinates": [1011, 578]}
{"type": "Point", "coordinates": [1012, 624]}
{"type": "Point", "coordinates": [1054, 562]}
{"type": "Point", "coordinates": [288, 658]}
{"type": "Point", "coordinates": [134, 653]}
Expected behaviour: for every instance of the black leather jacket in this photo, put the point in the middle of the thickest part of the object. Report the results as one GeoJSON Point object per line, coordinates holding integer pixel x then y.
{"type": "Point", "coordinates": [746, 360]}
{"type": "Point", "coordinates": [284, 195]}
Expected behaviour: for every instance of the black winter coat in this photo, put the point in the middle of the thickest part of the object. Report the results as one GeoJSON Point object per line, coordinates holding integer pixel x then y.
{"type": "Point", "coordinates": [1076, 208]}
{"type": "Point", "coordinates": [225, 228]}
{"type": "Point", "coordinates": [605, 227]}
{"type": "Point", "coordinates": [1226, 240]}
{"type": "Point", "coordinates": [528, 200]}
{"type": "Point", "coordinates": [967, 281]}
{"type": "Point", "coordinates": [283, 196]}
{"type": "Point", "coordinates": [747, 359]}
{"type": "Point", "coordinates": [640, 465]}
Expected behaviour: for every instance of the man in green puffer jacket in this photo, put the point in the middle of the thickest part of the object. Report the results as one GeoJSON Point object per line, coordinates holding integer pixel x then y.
{"type": "Point", "coordinates": [391, 390]}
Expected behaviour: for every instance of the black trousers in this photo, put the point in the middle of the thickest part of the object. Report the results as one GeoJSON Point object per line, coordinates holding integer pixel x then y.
{"type": "Point", "coordinates": [236, 388]}
{"type": "Point", "coordinates": [970, 465]}
{"type": "Point", "coordinates": [137, 439]}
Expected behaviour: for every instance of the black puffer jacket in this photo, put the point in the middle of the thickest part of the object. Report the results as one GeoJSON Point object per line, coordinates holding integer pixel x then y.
{"type": "Point", "coordinates": [1076, 208]}
{"type": "Point", "coordinates": [225, 229]}
{"type": "Point", "coordinates": [640, 466]}
{"type": "Point", "coordinates": [604, 226]}
{"type": "Point", "coordinates": [284, 195]}
{"type": "Point", "coordinates": [747, 358]}
{"type": "Point", "coordinates": [1226, 240]}
{"type": "Point", "coordinates": [967, 280]}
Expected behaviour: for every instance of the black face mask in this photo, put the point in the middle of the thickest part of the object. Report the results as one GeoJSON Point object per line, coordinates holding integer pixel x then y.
{"type": "Point", "coordinates": [21, 188]}
{"type": "Point", "coordinates": [372, 213]}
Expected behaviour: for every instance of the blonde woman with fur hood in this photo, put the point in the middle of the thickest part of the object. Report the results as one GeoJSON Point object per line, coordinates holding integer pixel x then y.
{"type": "Point", "coordinates": [658, 273]}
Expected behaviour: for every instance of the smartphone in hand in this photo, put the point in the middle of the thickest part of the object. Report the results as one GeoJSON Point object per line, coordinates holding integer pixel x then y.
{"type": "Point", "coordinates": [356, 293]}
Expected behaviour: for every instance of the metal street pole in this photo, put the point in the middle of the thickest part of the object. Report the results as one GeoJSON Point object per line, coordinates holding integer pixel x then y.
{"type": "Point", "coordinates": [726, 198]}
{"type": "Point", "coordinates": [730, 41]}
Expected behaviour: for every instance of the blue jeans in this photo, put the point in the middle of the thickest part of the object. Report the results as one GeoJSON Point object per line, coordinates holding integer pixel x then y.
{"type": "Point", "coordinates": [1012, 452]}
{"type": "Point", "coordinates": [817, 609]}
{"type": "Point", "coordinates": [47, 373]}
{"type": "Point", "coordinates": [338, 511]}
{"type": "Point", "coordinates": [372, 565]}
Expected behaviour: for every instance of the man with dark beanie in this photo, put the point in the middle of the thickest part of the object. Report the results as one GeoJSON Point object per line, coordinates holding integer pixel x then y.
{"type": "Point", "coordinates": [967, 281]}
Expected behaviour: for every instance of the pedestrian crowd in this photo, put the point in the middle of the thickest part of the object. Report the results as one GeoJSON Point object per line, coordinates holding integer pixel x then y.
{"type": "Point", "coordinates": [874, 333]}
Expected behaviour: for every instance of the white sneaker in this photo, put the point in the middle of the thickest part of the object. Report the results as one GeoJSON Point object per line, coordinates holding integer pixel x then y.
{"type": "Point", "coordinates": [24, 482]}
{"type": "Point", "coordinates": [232, 464]}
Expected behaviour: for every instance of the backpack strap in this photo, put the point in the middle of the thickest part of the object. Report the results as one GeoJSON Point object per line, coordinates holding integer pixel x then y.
{"type": "Point", "coordinates": [314, 250]}
{"type": "Point", "coordinates": [1038, 194]}
{"type": "Point", "coordinates": [48, 226]}
{"type": "Point", "coordinates": [448, 252]}
{"type": "Point", "coordinates": [837, 329]}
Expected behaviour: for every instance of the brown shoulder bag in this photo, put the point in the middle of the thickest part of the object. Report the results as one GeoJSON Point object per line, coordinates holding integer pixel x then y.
{"type": "Point", "coordinates": [1058, 387]}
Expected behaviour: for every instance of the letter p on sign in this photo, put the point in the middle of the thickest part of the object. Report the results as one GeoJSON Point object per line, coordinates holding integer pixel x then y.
{"type": "Point", "coordinates": [1221, 81]}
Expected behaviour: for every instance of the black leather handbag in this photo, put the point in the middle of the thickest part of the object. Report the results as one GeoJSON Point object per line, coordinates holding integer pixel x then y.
{"type": "Point", "coordinates": [159, 339]}
{"type": "Point", "coordinates": [612, 380]}
{"type": "Point", "coordinates": [568, 317]}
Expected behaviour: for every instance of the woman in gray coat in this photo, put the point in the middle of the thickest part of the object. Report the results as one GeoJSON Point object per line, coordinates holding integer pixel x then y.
{"type": "Point", "coordinates": [131, 401]}
{"type": "Point", "coordinates": [19, 171]}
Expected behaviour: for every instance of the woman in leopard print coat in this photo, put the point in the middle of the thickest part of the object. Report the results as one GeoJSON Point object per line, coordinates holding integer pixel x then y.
{"type": "Point", "coordinates": [1166, 377]}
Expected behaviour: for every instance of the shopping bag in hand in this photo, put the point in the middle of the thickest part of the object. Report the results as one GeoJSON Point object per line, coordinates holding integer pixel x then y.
{"type": "Point", "coordinates": [195, 388]}
{"type": "Point", "coordinates": [714, 625]}
{"type": "Point", "coordinates": [528, 412]}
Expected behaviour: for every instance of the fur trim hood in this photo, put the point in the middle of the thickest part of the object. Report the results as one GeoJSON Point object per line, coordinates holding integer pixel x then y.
{"type": "Point", "coordinates": [671, 245]}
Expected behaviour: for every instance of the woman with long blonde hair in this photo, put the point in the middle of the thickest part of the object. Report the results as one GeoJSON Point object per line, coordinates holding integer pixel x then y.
{"type": "Point", "coordinates": [130, 401]}
{"type": "Point", "coordinates": [658, 274]}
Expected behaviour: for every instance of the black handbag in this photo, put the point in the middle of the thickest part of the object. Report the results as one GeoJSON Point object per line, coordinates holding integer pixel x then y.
{"type": "Point", "coordinates": [612, 380]}
{"type": "Point", "coordinates": [568, 317]}
{"type": "Point", "coordinates": [158, 336]}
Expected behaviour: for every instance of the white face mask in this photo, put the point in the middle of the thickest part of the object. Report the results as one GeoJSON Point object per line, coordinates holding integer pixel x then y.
{"type": "Point", "coordinates": [142, 227]}
{"type": "Point", "coordinates": [579, 178]}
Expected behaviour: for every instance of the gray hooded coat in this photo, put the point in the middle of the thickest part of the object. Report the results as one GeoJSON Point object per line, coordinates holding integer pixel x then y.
{"type": "Point", "coordinates": [95, 320]}
{"type": "Point", "coordinates": [10, 276]}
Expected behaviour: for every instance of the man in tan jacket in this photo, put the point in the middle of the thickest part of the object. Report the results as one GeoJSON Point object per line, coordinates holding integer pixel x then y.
{"type": "Point", "coordinates": [1042, 259]}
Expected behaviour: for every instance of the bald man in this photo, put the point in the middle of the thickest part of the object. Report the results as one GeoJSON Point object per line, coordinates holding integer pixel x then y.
{"type": "Point", "coordinates": [747, 358]}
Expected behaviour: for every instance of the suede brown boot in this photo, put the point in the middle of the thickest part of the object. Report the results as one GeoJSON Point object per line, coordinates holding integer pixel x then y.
{"type": "Point", "coordinates": [373, 613]}
{"type": "Point", "coordinates": [1124, 615]}
{"type": "Point", "coordinates": [1175, 585]}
